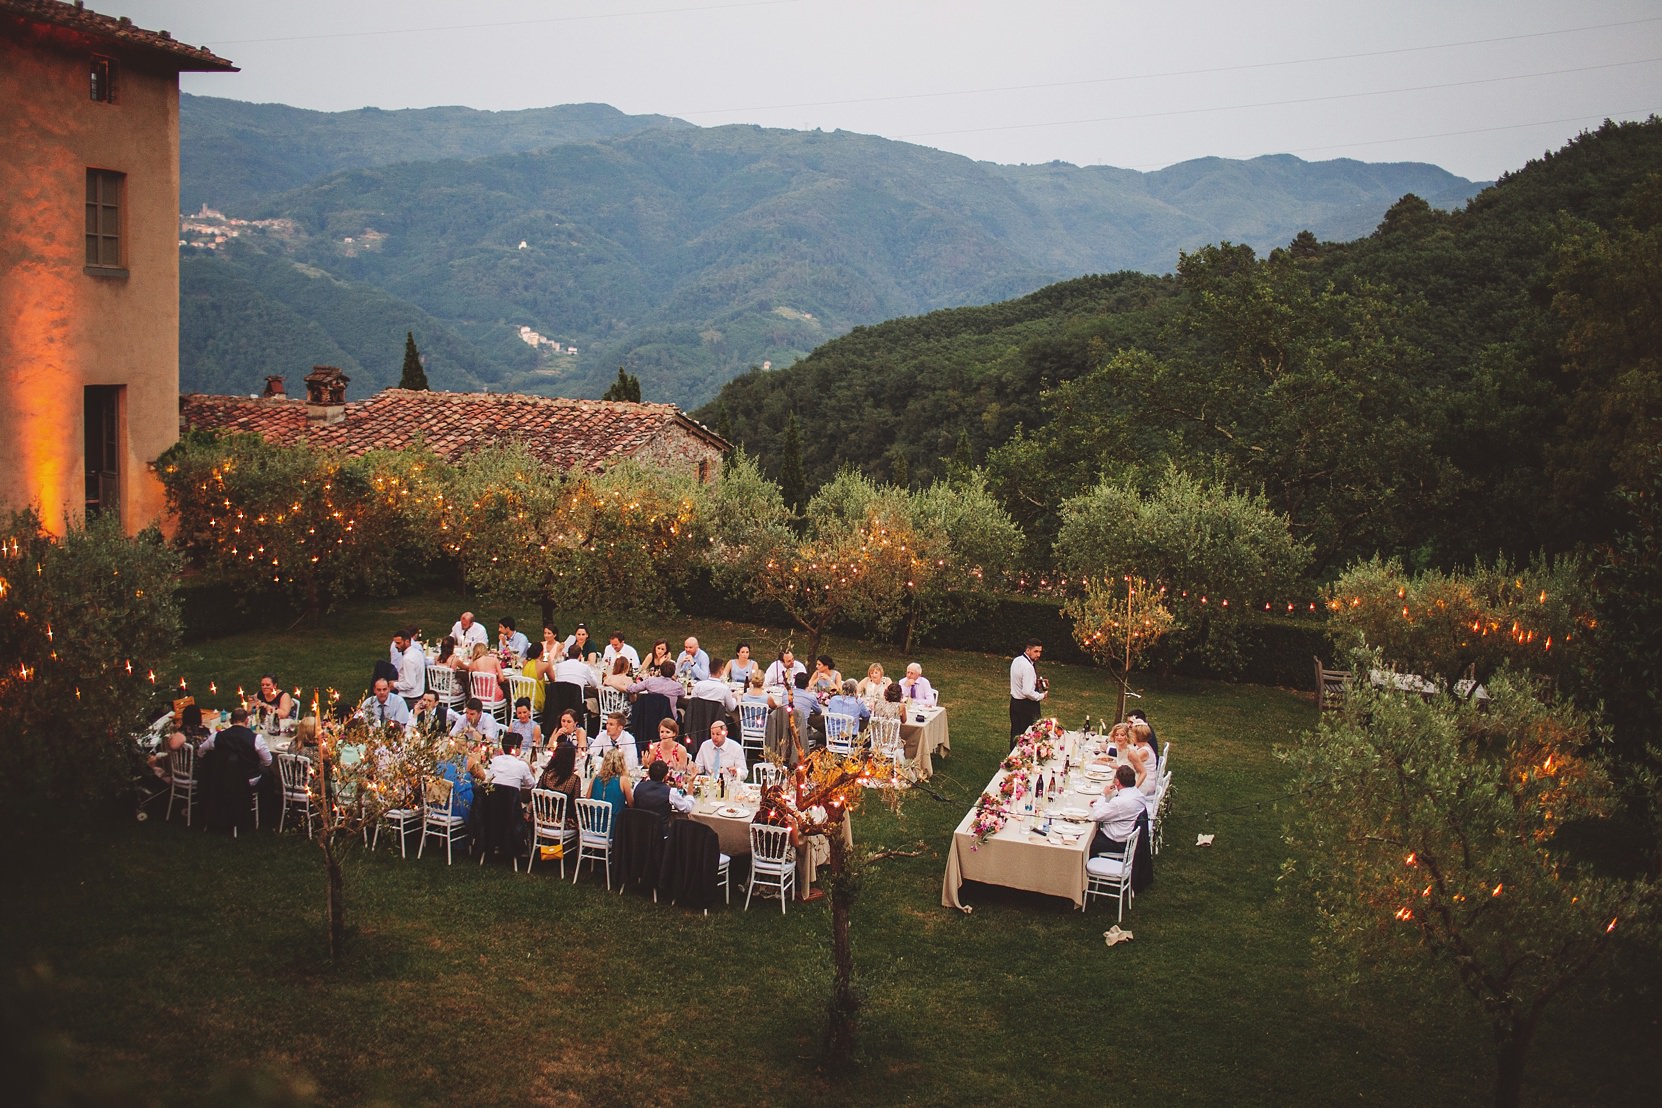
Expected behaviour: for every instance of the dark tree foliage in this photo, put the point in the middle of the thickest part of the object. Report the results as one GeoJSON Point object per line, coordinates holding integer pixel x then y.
{"type": "Point", "coordinates": [414, 376]}
{"type": "Point", "coordinates": [788, 466]}
{"type": "Point", "coordinates": [627, 387]}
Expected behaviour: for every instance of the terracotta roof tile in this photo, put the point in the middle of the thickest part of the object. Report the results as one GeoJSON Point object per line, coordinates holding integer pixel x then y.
{"type": "Point", "coordinates": [110, 29]}
{"type": "Point", "coordinates": [562, 432]}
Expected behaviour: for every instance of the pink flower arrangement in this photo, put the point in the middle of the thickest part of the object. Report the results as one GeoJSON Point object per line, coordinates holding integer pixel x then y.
{"type": "Point", "coordinates": [990, 817]}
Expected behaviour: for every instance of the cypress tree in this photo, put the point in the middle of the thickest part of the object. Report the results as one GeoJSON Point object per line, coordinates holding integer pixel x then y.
{"type": "Point", "coordinates": [414, 376]}
{"type": "Point", "coordinates": [626, 387]}
{"type": "Point", "coordinates": [791, 482]}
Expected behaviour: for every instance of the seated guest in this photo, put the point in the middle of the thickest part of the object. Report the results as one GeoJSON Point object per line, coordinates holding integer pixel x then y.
{"type": "Point", "coordinates": [692, 664]}
{"type": "Point", "coordinates": [784, 671]}
{"type": "Point", "coordinates": [465, 770]}
{"type": "Point", "coordinates": [668, 748]}
{"type": "Point", "coordinates": [1136, 716]}
{"type": "Point", "coordinates": [717, 690]}
{"type": "Point", "coordinates": [530, 735]}
{"type": "Point", "coordinates": [804, 707]}
{"type": "Point", "coordinates": [533, 669]}
{"type": "Point", "coordinates": [1116, 812]}
{"type": "Point", "coordinates": [468, 634]}
{"type": "Point", "coordinates": [755, 692]}
{"type": "Point", "coordinates": [719, 758]}
{"type": "Point", "coordinates": [553, 646]}
{"type": "Point", "coordinates": [660, 654]}
{"type": "Point", "coordinates": [622, 675]}
{"type": "Point", "coordinates": [585, 646]}
{"type": "Point", "coordinates": [241, 743]}
{"type": "Point", "coordinates": [475, 724]}
{"type": "Point", "coordinates": [662, 682]}
{"type": "Point", "coordinates": [509, 638]}
{"type": "Point", "coordinates": [305, 742]}
{"type": "Point", "coordinates": [655, 794]}
{"type": "Point", "coordinates": [741, 666]}
{"type": "Point", "coordinates": [617, 648]}
{"type": "Point", "coordinates": [271, 699]}
{"type": "Point", "coordinates": [449, 656]}
{"type": "Point", "coordinates": [890, 707]}
{"type": "Point", "coordinates": [825, 679]}
{"type": "Point", "coordinates": [612, 784]}
{"type": "Point", "coordinates": [846, 703]}
{"type": "Point", "coordinates": [873, 685]}
{"type": "Point", "coordinates": [484, 660]}
{"type": "Point", "coordinates": [187, 730]}
{"type": "Point", "coordinates": [382, 707]}
{"type": "Point", "coordinates": [614, 737]}
{"type": "Point", "coordinates": [915, 687]}
{"type": "Point", "coordinates": [560, 776]}
{"type": "Point", "coordinates": [508, 769]}
{"type": "Point", "coordinates": [570, 732]}
{"type": "Point", "coordinates": [573, 670]}
{"type": "Point", "coordinates": [430, 714]}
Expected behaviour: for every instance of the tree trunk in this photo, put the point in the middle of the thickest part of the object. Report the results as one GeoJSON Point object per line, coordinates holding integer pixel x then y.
{"type": "Point", "coordinates": [336, 901]}
{"type": "Point", "coordinates": [845, 1005]}
{"type": "Point", "coordinates": [547, 603]}
{"type": "Point", "coordinates": [1512, 1038]}
{"type": "Point", "coordinates": [911, 619]}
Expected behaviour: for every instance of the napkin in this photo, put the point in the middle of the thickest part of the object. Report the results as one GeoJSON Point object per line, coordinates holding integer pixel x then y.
{"type": "Point", "coordinates": [1114, 935]}
{"type": "Point", "coordinates": [1203, 840]}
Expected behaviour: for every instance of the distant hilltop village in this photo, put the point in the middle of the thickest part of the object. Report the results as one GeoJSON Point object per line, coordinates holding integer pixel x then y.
{"type": "Point", "coordinates": [209, 229]}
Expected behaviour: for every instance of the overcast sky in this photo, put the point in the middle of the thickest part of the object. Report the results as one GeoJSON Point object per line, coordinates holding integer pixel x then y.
{"type": "Point", "coordinates": [1476, 86]}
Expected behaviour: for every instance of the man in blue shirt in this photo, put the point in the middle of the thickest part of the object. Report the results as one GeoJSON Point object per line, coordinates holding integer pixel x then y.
{"type": "Point", "coordinates": [509, 638]}
{"type": "Point", "coordinates": [693, 662]}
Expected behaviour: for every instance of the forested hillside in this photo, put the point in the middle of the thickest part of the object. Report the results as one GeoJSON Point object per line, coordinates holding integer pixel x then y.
{"type": "Point", "coordinates": [686, 254]}
{"type": "Point", "coordinates": [1452, 385]}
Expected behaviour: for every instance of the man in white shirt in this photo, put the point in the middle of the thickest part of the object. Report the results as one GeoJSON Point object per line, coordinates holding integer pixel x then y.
{"type": "Point", "coordinates": [718, 756]}
{"type": "Point", "coordinates": [693, 662]}
{"type": "Point", "coordinates": [466, 632]}
{"type": "Point", "coordinates": [508, 768]}
{"type": "Point", "coordinates": [509, 638]}
{"type": "Point", "coordinates": [383, 707]}
{"type": "Point", "coordinates": [474, 719]}
{"type": "Point", "coordinates": [1116, 812]}
{"type": "Point", "coordinates": [714, 688]}
{"type": "Point", "coordinates": [411, 661]}
{"type": "Point", "coordinates": [783, 671]}
{"type": "Point", "coordinates": [571, 668]}
{"type": "Point", "coordinates": [614, 737]}
{"type": "Point", "coordinates": [915, 687]}
{"type": "Point", "coordinates": [1027, 690]}
{"type": "Point", "coordinates": [616, 646]}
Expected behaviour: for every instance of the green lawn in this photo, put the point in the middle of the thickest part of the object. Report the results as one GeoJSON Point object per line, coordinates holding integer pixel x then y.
{"type": "Point", "coordinates": [156, 964]}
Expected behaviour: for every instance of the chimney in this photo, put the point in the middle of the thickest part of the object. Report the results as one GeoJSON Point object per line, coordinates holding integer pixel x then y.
{"type": "Point", "coordinates": [274, 389]}
{"type": "Point", "coordinates": [325, 395]}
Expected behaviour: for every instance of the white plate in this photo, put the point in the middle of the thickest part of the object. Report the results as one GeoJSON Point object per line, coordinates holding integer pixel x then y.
{"type": "Point", "coordinates": [732, 812]}
{"type": "Point", "coordinates": [1087, 790]}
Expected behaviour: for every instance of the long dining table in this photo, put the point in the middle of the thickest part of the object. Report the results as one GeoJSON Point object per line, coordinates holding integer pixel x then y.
{"type": "Point", "coordinates": [1024, 854]}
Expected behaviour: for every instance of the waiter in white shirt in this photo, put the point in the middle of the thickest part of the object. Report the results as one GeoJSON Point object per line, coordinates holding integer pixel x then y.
{"type": "Point", "coordinates": [411, 661]}
{"type": "Point", "coordinates": [1027, 690]}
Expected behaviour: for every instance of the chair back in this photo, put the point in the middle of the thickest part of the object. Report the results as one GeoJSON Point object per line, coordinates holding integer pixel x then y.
{"type": "Point", "coordinates": [294, 771]}
{"type": "Point", "coordinates": [181, 766]}
{"type": "Point", "coordinates": [485, 687]}
{"type": "Point", "coordinates": [650, 710]}
{"type": "Point", "coordinates": [1330, 687]}
{"type": "Point", "coordinates": [691, 864]}
{"type": "Point", "coordinates": [700, 714]}
{"type": "Point", "coordinates": [885, 737]}
{"type": "Point", "coordinates": [594, 820]}
{"type": "Point", "coordinates": [1165, 754]}
{"type": "Point", "coordinates": [640, 843]}
{"type": "Point", "coordinates": [613, 700]}
{"type": "Point", "coordinates": [770, 848]}
{"type": "Point", "coordinates": [753, 722]}
{"type": "Point", "coordinates": [522, 687]}
{"type": "Point", "coordinates": [841, 730]}
{"type": "Point", "coordinates": [548, 812]}
{"type": "Point", "coordinates": [441, 680]}
{"type": "Point", "coordinates": [766, 773]}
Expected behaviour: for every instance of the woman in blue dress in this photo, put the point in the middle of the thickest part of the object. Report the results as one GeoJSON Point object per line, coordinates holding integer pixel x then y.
{"type": "Point", "coordinates": [462, 771]}
{"type": "Point", "coordinates": [612, 785]}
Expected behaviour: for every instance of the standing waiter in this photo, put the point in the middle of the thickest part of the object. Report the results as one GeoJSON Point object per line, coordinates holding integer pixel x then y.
{"type": "Point", "coordinates": [1027, 689]}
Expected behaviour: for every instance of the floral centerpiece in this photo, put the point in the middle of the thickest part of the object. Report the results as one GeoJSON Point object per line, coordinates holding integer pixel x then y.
{"type": "Point", "coordinates": [1020, 758]}
{"type": "Point", "coordinates": [989, 819]}
{"type": "Point", "coordinates": [1014, 785]}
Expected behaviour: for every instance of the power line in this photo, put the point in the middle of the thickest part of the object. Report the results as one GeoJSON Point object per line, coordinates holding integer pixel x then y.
{"type": "Point", "coordinates": [1276, 103]}
{"type": "Point", "coordinates": [514, 23]}
{"type": "Point", "coordinates": [1170, 73]}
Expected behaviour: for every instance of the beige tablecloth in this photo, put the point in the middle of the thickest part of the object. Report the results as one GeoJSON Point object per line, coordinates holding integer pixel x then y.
{"type": "Point", "coordinates": [1016, 858]}
{"type": "Point", "coordinates": [924, 739]}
